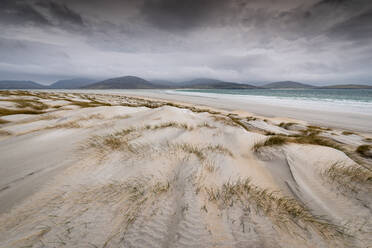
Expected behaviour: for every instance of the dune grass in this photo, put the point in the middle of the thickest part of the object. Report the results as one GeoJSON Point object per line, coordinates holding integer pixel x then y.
{"type": "Point", "coordinates": [4, 133]}
{"type": "Point", "coordinates": [285, 212]}
{"type": "Point", "coordinates": [271, 141]}
{"type": "Point", "coordinates": [168, 125]}
{"type": "Point", "coordinates": [347, 133]}
{"type": "Point", "coordinates": [4, 112]}
{"type": "Point", "coordinates": [90, 104]}
{"type": "Point", "coordinates": [365, 151]}
{"type": "Point", "coordinates": [311, 139]}
{"type": "Point", "coordinates": [349, 174]}
{"type": "Point", "coordinates": [286, 125]}
{"type": "Point", "coordinates": [3, 121]}
{"type": "Point", "coordinates": [200, 151]}
{"type": "Point", "coordinates": [224, 120]}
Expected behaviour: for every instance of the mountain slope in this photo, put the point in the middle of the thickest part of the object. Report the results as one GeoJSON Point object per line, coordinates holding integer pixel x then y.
{"type": "Point", "coordinates": [74, 83]}
{"type": "Point", "coordinates": [347, 86]}
{"type": "Point", "coordinates": [206, 83]}
{"type": "Point", "coordinates": [287, 85]}
{"type": "Point", "coordinates": [127, 82]}
{"type": "Point", "coordinates": [13, 84]}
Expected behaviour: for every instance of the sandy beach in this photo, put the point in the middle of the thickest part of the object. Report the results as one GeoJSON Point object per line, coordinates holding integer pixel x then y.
{"type": "Point", "coordinates": [319, 115]}
{"type": "Point", "coordinates": [155, 169]}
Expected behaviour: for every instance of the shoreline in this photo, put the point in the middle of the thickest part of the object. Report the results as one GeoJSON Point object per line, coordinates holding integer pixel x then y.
{"type": "Point", "coordinates": [347, 121]}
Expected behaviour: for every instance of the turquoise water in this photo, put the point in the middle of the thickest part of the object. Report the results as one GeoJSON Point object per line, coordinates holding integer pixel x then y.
{"type": "Point", "coordinates": [359, 95]}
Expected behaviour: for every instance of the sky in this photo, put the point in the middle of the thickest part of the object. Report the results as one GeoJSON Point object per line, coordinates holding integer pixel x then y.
{"type": "Point", "coordinates": [247, 41]}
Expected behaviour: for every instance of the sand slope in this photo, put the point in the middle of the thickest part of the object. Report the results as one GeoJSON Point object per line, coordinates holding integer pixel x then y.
{"type": "Point", "coordinates": [145, 174]}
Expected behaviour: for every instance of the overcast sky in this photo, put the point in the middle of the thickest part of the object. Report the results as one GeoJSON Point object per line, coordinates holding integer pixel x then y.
{"type": "Point", "coordinates": [314, 41]}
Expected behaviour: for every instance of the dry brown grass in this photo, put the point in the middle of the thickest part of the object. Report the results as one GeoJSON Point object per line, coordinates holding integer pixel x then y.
{"type": "Point", "coordinates": [170, 124]}
{"type": "Point", "coordinates": [342, 173]}
{"type": "Point", "coordinates": [319, 128]}
{"type": "Point", "coordinates": [272, 141]}
{"type": "Point", "coordinates": [89, 104]}
{"type": "Point", "coordinates": [286, 125]}
{"type": "Point", "coordinates": [285, 212]}
{"type": "Point", "coordinates": [311, 139]}
{"type": "Point", "coordinates": [4, 112]}
{"type": "Point", "coordinates": [3, 121]}
{"type": "Point", "coordinates": [224, 120]}
{"type": "Point", "coordinates": [4, 133]}
{"type": "Point", "coordinates": [347, 133]}
{"type": "Point", "coordinates": [365, 151]}
{"type": "Point", "coordinates": [352, 178]}
{"type": "Point", "coordinates": [200, 152]}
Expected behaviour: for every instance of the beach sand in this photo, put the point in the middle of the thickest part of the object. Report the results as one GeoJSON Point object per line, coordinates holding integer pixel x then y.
{"type": "Point", "coordinates": [115, 170]}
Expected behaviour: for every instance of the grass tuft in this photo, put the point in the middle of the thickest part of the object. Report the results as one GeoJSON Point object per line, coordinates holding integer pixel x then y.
{"type": "Point", "coordinates": [365, 151]}
{"type": "Point", "coordinates": [347, 133]}
{"type": "Point", "coordinates": [272, 141]}
{"type": "Point", "coordinates": [341, 173]}
{"type": "Point", "coordinates": [3, 121]}
{"type": "Point", "coordinates": [285, 212]}
{"type": "Point", "coordinates": [4, 112]}
{"type": "Point", "coordinates": [286, 125]}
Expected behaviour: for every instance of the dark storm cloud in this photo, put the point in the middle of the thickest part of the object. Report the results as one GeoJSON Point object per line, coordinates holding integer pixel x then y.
{"type": "Point", "coordinates": [356, 28]}
{"type": "Point", "coordinates": [180, 15]}
{"type": "Point", "coordinates": [241, 40]}
{"type": "Point", "coordinates": [20, 13]}
{"type": "Point", "coordinates": [62, 12]}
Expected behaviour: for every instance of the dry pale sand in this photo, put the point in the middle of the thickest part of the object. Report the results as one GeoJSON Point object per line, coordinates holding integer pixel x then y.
{"type": "Point", "coordinates": [99, 170]}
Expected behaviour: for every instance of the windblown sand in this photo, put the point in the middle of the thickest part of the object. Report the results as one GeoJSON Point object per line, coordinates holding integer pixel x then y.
{"type": "Point", "coordinates": [113, 171]}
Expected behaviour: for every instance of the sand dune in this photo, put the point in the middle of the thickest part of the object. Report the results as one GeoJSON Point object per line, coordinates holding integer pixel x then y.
{"type": "Point", "coordinates": [117, 171]}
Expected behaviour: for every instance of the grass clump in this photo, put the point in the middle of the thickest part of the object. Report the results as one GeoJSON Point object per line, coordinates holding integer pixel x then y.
{"type": "Point", "coordinates": [4, 112]}
{"type": "Point", "coordinates": [219, 149]}
{"type": "Point", "coordinates": [311, 139]}
{"type": "Point", "coordinates": [286, 125]}
{"type": "Point", "coordinates": [201, 152]}
{"type": "Point", "coordinates": [347, 133]}
{"type": "Point", "coordinates": [285, 212]}
{"type": "Point", "coordinates": [272, 141]}
{"type": "Point", "coordinates": [3, 121]}
{"type": "Point", "coordinates": [365, 151]}
{"type": "Point", "coordinates": [224, 120]}
{"type": "Point", "coordinates": [191, 149]}
{"type": "Point", "coordinates": [90, 104]}
{"type": "Point", "coordinates": [169, 124]}
{"type": "Point", "coordinates": [349, 174]}
{"type": "Point", "coordinates": [368, 140]}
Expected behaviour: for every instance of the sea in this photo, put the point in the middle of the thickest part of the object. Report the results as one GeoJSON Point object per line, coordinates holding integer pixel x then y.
{"type": "Point", "coordinates": [335, 100]}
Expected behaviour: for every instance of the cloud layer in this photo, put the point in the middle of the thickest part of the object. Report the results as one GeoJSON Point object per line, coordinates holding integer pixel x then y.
{"type": "Point", "coordinates": [317, 41]}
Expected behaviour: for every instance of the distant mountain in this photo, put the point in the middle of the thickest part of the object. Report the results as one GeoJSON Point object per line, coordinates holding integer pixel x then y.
{"type": "Point", "coordinates": [127, 82]}
{"type": "Point", "coordinates": [347, 86]}
{"type": "Point", "coordinates": [287, 85]}
{"type": "Point", "coordinates": [206, 83]}
{"type": "Point", "coordinates": [164, 83]}
{"type": "Point", "coordinates": [17, 85]}
{"type": "Point", "coordinates": [74, 83]}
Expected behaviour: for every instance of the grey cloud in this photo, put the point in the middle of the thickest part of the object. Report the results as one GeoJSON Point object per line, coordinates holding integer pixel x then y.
{"type": "Point", "coordinates": [180, 15]}
{"type": "Point", "coordinates": [16, 12]}
{"type": "Point", "coordinates": [62, 12]}
{"type": "Point", "coordinates": [356, 28]}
